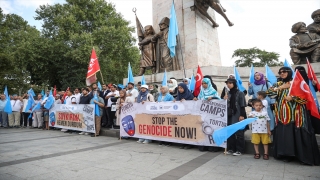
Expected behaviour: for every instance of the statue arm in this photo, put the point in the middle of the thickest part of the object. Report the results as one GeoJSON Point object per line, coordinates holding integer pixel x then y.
{"type": "Point", "coordinates": [293, 44]}
{"type": "Point", "coordinates": [145, 41]}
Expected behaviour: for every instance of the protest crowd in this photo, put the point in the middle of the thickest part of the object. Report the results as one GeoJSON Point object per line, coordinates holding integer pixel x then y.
{"type": "Point", "coordinates": [283, 118]}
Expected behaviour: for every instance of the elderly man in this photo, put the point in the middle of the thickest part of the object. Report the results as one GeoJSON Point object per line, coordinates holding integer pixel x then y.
{"type": "Point", "coordinates": [16, 105]}
{"type": "Point", "coordinates": [315, 26]}
{"type": "Point", "coordinates": [3, 115]}
{"type": "Point", "coordinates": [303, 44]}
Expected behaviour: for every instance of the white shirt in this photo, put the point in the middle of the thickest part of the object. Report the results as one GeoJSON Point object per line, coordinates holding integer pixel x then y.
{"type": "Point", "coordinates": [70, 99]}
{"type": "Point", "coordinates": [265, 105]}
{"type": "Point", "coordinates": [260, 125]}
{"type": "Point", "coordinates": [115, 93]}
{"type": "Point", "coordinates": [25, 102]}
{"type": "Point", "coordinates": [16, 105]}
{"type": "Point", "coordinates": [77, 97]}
{"type": "Point", "coordinates": [134, 95]}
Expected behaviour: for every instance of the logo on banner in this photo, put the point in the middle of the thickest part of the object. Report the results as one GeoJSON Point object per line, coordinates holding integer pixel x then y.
{"type": "Point", "coordinates": [153, 108]}
{"type": "Point", "coordinates": [66, 107]}
{"type": "Point", "coordinates": [175, 107]}
{"type": "Point", "coordinates": [128, 125]}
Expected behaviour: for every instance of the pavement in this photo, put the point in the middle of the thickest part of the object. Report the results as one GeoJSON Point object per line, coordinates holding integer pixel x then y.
{"type": "Point", "coordinates": [40, 154]}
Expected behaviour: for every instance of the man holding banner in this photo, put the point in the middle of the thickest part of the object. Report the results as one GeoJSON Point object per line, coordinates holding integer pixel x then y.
{"type": "Point", "coordinates": [97, 117]}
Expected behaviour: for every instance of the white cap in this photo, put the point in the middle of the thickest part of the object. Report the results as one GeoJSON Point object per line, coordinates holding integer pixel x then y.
{"type": "Point", "coordinates": [144, 86]}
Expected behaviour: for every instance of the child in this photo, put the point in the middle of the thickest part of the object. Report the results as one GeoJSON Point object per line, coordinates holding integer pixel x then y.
{"type": "Point", "coordinates": [260, 129]}
{"type": "Point", "coordinates": [261, 95]}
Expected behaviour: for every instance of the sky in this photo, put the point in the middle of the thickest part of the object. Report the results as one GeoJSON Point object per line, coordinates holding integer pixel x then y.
{"type": "Point", "coordinates": [265, 24]}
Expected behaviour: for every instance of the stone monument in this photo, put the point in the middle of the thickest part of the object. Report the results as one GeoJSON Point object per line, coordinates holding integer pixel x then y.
{"type": "Point", "coordinates": [199, 41]}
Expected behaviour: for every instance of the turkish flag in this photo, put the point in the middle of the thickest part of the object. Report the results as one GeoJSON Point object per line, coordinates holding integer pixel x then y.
{"type": "Point", "coordinates": [199, 78]}
{"type": "Point", "coordinates": [301, 89]}
{"type": "Point", "coordinates": [54, 91]}
{"type": "Point", "coordinates": [93, 68]}
{"type": "Point", "coordinates": [312, 75]}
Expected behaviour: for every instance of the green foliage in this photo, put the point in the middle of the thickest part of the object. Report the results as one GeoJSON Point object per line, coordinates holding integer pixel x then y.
{"type": "Point", "coordinates": [257, 57]}
{"type": "Point", "coordinates": [71, 30]}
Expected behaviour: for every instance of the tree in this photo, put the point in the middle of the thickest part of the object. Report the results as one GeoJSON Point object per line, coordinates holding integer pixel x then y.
{"type": "Point", "coordinates": [15, 38]}
{"type": "Point", "coordinates": [70, 31]}
{"type": "Point", "coordinates": [255, 56]}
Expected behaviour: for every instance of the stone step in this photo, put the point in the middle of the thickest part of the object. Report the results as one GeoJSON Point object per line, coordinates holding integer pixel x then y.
{"type": "Point", "coordinates": [248, 145]}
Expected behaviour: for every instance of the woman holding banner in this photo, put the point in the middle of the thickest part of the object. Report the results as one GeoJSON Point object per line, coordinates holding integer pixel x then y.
{"type": "Point", "coordinates": [293, 133]}
{"type": "Point", "coordinates": [207, 91]}
{"type": "Point", "coordinates": [183, 95]}
{"type": "Point", "coordinates": [144, 96]}
{"type": "Point", "coordinates": [261, 84]}
{"type": "Point", "coordinates": [164, 96]}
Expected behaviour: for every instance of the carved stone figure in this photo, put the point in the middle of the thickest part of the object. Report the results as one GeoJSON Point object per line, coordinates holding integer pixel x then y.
{"type": "Point", "coordinates": [148, 54]}
{"type": "Point", "coordinates": [164, 60]}
{"type": "Point", "coordinates": [315, 26]}
{"type": "Point", "coordinates": [203, 6]}
{"type": "Point", "coordinates": [304, 45]}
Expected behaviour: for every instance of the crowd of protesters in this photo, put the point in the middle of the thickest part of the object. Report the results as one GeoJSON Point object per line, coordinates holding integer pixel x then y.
{"type": "Point", "coordinates": [275, 110]}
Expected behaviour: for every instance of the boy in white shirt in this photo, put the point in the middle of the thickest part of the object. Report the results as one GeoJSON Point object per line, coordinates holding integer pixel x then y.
{"type": "Point", "coordinates": [260, 129]}
{"type": "Point", "coordinates": [262, 96]}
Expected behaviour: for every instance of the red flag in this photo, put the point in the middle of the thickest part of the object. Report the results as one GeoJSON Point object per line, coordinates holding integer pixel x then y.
{"type": "Point", "coordinates": [93, 68]}
{"type": "Point", "coordinates": [301, 89]}
{"type": "Point", "coordinates": [65, 95]}
{"type": "Point", "coordinates": [312, 75]}
{"type": "Point", "coordinates": [54, 91]}
{"type": "Point", "coordinates": [199, 78]}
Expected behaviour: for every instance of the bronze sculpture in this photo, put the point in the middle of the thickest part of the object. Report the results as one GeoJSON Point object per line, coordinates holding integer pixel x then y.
{"type": "Point", "coordinates": [304, 45]}
{"type": "Point", "coordinates": [148, 54]}
{"type": "Point", "coordinates": [315, 26]}
{"type": "Point", "coordinates": [203, 6]}
{"type": "Point", "coordinates": [163, 59]}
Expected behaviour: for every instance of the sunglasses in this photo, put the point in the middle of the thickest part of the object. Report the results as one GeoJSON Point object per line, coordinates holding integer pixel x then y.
{"type": "Point", "coordinates": [185, 81]}
{"type": "Point", "coordinates": [280, 72]}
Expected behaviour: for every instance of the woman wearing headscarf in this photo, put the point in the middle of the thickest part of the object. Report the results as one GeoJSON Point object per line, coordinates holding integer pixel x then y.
{"type": "Point", "coordinates": [236, 112]}
{"type": "Point", "coordinates": [173, 87]}
{"type": "Point", "coordinates": [186, 81]}
{"type": "Point", "coordinates": [223, 93]}
{"type": "Point", "coordinates": [144, 96]}
{"type": "Point", "coordinates": [212, 83]}
{"type": "Point", "coordinates": [314, 121]}
{"type": "Point", "coordinates": [164, 96]}
{"type": "Point", "coordinates": [260, 84]}
{"type": "Point", "coordinates": [293, 137]}
{"type": "Point", "coordinates": [207, 92]}
{"type": "Point", "coordinates": [184, 93]}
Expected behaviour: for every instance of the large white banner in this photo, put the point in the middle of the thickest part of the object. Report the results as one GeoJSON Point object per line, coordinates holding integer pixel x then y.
{"type": "Point", "coordinates": [187, 122]}
{"type": "Point", "coordinates": [79, 117]}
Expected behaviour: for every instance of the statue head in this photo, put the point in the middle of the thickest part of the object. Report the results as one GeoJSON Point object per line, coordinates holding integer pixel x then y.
{"type": "Point", "coordinates": [299, 27]}
{"type": "Point", "coordinates": [316, 16]}
{"type": "Point", "coordinates": [149, 30]}
{"type": "Point", "coordinates": [164, 23]}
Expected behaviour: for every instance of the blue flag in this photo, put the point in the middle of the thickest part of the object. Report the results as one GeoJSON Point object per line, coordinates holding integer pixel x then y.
{"type": "Point", "coordinates": [251, 76]}
{"type": "Point", "coordinates": [270, 76]}
{"type": "Point", "coordinates": [50, 101]}
{"type": "Point", "coordinates": [314, 95]}
{"type": "Point", "coordinates": [164, 79]}
{"type": "Point", "coordinates": [173, 32]}
{"type": "Point", "coordinates": [96, 106]}
{"type": "Point", "coordinates": [238, 78]}
{"type": "Point", "coordinates": [143, 81]}
{"type": "Point", "coordinates": [221, 135]}
{"type": "Point", "coordinates": [99, 86]}
{"type": "Point", "coordinates": [30, 91]}
{"type": "Point", "coordinates": [31, 101]}
{"type": "Point", "coordinates": [36, 107]}
{"type": "Point", "coordinates": [287, 64]}
{"type": "Point", "coordinates": [7, 107]}
{"type": "Point", "coordinates": [43, 94]}
{"type": "Point", "coordinates": [130, 76]}
{"type": "Point", "coordinates": [192, 83]}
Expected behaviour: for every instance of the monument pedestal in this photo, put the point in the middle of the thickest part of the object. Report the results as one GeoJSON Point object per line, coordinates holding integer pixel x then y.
{"type": "Point", "coordinates": [198, 39]}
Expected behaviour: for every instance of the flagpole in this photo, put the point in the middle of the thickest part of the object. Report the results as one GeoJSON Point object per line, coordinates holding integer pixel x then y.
{"type": "Point", "coordinates": [179, 42]}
